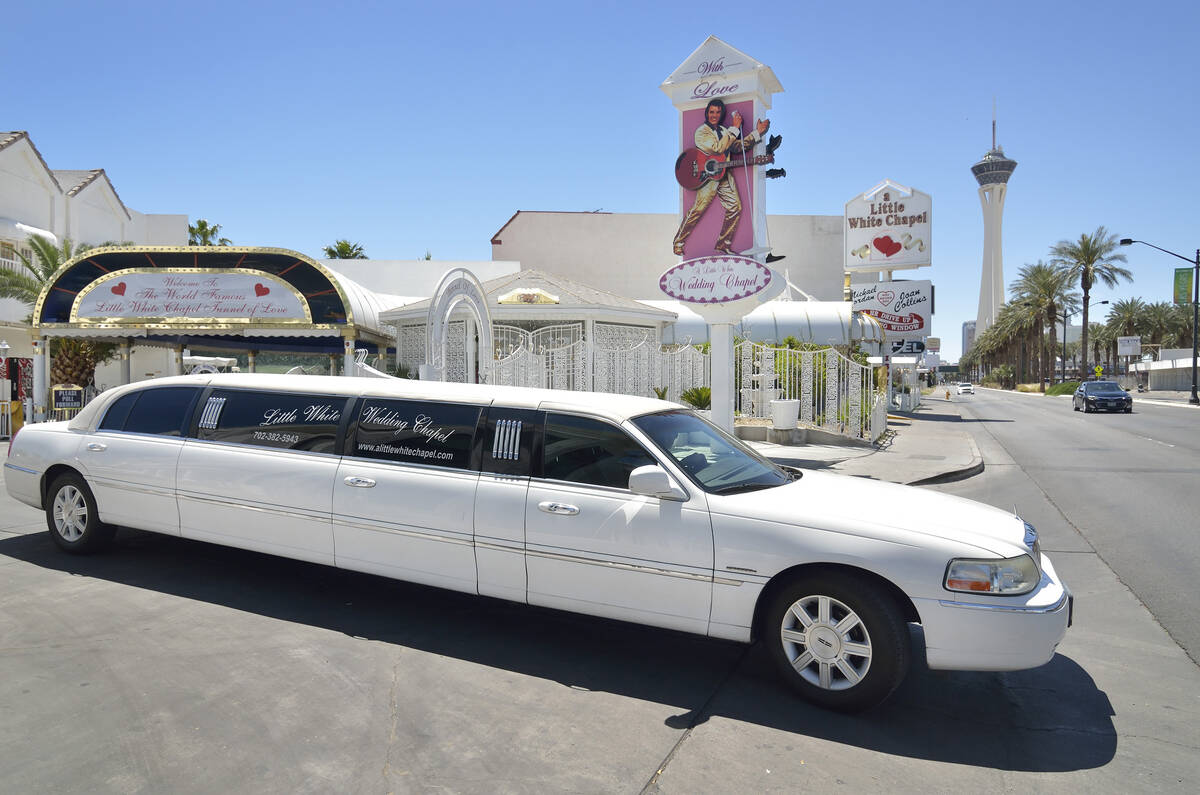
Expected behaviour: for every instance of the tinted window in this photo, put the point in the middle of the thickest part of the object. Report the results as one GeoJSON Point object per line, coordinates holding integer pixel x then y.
{"type": "Point", "coordinates": [416, 432]}
{"type": "Point", "coordinates": [164, 411]}
{"type": "Point", "coordinates": [114, 418]}
{"type": "Point", "coordinates": [588, 451]}
{"type": "Point", "coordinates": [714, 459]}
{"type": "Point", "coordinates": [1103, 388]}
{"type": "Point", "coordinates": [272, 419]}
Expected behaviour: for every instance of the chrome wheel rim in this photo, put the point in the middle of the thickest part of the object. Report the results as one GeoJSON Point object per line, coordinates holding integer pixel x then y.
{"type": "Point", "coordinates": [70, 513]}
{"type": "Point", "coordinates": [826, 643]}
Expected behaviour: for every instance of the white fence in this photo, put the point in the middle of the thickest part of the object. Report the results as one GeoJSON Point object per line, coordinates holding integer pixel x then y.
{"type": "Point", "coordinates": [835, 393]}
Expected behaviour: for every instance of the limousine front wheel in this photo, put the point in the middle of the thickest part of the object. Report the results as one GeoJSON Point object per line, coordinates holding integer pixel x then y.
{"type": "Point", "coordinates": [839, 640]}
{"type": "Point", "coordinates": [72, 518]}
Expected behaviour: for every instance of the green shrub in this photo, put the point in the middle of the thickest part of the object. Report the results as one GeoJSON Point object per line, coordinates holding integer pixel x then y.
{"type": "Point", "coordinates": [698, 396]}
{"type": "Point", "coordinates": [1065, 388]}
{"type": "Point", "coordinates": [660, 392]}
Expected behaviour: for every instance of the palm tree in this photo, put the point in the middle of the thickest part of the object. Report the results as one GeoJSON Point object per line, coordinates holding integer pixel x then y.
{"type": "Point", "coordinates": [1046, 290]}
{"type": "Point", "coordinates": [1127, 316]}
{"type": "Point", "coordinates": [73, 360]}
{"type": "Point", "coordinates": [202, 233]}
{"type": "Point", "coordinates": [1089, 259]}
{"type": "Point", "coordinates": [344, 249]}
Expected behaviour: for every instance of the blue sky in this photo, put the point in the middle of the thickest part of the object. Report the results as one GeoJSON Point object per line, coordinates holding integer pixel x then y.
{"type": "Point", "coordinates": [413, 127]}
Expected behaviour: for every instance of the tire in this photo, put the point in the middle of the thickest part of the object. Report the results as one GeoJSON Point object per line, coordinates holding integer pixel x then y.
{"type": "Point", "coordinates": [1129, 411]}
{"type": "Point", "coordinates": [72, 519]}
{"type": "Point", "coordinates": [862, 648]}
{"type": "Point", "coordinates": [1074, 406]}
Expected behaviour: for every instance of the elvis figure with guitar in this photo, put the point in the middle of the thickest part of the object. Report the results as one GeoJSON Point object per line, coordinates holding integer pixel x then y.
{"type": "Point", "coordinates": [711, 166]}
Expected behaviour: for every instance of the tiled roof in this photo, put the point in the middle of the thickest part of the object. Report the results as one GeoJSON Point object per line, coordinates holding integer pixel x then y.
{"type": "Point", "coordinates": [9, 138]}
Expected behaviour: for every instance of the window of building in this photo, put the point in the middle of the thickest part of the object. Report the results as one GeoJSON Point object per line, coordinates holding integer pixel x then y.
{"type": "Point", "coordinates": [416, 432]}
{"type": "Point", "coordinates": [272, 419]}
{"type": "Point", "coordinates": [583, 450]}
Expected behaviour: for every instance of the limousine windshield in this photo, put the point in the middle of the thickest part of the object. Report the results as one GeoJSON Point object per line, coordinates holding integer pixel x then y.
{"type": "Point", "coordinates": [716, 462]}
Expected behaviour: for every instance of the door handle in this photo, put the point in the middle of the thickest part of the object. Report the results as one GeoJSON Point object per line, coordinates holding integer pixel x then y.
{"type": "Point", "coordinates": [560, 508]}
{"type": "Point", "coordinates": [362, 483]}
{"type": "Point", "coordinates": [97, 447]}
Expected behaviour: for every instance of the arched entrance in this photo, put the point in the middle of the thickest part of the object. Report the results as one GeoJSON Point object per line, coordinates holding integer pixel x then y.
{"type": "Point", "coordinates": [458, 286]}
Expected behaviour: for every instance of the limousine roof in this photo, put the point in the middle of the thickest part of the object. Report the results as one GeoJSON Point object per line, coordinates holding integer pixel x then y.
{"type": "Point", "coordinates": [612, 406]}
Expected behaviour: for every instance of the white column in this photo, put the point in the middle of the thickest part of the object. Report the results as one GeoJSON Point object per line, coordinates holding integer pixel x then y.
{"type": "Point", "coordinates": [124, 356]}
{"type": "Point", "coordinates": [252, 361]}
{"type": "Point", "coordinates": [721, 337]}
{"type": "Point", "coordinates": [177, 360]}
{"type": "Point", "coordinates": [348, 367]}
{"type": "Point", "coordinates": [469, 349]}
{"type": "Point", "coordinates": [333, 364]}
{"type": "Point", "coordinates": [41, 389]}
{"type": "Point", "coordinates": [589, 351]}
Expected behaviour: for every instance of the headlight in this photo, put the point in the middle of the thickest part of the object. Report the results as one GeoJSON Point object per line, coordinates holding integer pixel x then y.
{"type": "Point", "coordinates": [1005, 577]}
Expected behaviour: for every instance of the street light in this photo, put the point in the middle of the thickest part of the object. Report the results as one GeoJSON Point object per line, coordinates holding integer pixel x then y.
{"type": "Point", "coordinates": [1126, 241]}
{"type": "Point", "coordinates": [1066, 315]}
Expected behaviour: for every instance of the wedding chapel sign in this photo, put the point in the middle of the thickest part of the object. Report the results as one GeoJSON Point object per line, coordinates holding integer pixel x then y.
{"type": "Point", "coordinates": [182, 294]}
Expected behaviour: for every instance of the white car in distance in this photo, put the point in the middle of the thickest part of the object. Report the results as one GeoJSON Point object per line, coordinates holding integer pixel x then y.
{"type": "Point", "coordinates": [966, 388]}
{"type": "Point", "coordinates": [612, 505]}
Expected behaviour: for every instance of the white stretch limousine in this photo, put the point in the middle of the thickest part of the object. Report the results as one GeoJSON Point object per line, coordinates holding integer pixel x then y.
{"type": "Point", "coordinates": [612, 505]}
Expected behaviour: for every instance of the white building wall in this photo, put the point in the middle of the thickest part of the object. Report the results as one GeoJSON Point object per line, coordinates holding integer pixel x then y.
{"type": "Point", "coordinates": [625, 253]}
{"type": "Point", "coordinates": [28, 193]}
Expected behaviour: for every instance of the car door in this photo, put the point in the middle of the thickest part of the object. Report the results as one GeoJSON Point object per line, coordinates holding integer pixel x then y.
{"type": "Point", "coordinates": [130, 460]}
{"type": "Point", "coordinates": [259, 473]}
{"type": "Point", "coordinates": [510, 446]}
{"type": "Point", "coordinates": [592, 546]}
{"type": "Point", "coordinates": [404, 494]}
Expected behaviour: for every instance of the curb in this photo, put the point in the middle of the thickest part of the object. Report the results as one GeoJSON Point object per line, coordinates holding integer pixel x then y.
{"type": "Point", "coordinates": [974, 468]}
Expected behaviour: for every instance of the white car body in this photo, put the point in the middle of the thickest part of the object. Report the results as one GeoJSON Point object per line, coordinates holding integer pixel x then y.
{"type": "Point", "coordinates": [966, 389]}
{"type": "Point", "coordinates": [683, 557]}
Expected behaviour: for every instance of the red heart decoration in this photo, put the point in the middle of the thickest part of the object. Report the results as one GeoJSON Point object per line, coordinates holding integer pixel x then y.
{"type": "Point", "coordinates": [118, 288]}
{"type": "Point", "coordinates": [886, 245]}
{"type": "Point", "coordinates": [261, 289]}
{"type": "Point", "coordinates": [885, 297]}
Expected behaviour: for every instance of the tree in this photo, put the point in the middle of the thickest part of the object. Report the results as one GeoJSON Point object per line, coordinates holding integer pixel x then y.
{"type": "Point", "coordinates": [1089, 259]}
{"type": "Point", "coordinates": [202, 233]}
{"type": "Point", "coordinates": [73, 360]}
{"type": "Point", "coordinates": [344, 249]}
{"type": "Point", "coordinates": [1046, 289]}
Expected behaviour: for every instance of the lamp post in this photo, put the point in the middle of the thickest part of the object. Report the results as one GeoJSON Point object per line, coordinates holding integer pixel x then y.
{"type": "Point", "coordinates": [1126, 241]}
{"type": "Point", "coordinates": [1066, 315]}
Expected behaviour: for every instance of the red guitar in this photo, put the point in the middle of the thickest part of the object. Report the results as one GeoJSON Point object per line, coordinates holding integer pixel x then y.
{"type": "Point", "coordinates": [694, 167]}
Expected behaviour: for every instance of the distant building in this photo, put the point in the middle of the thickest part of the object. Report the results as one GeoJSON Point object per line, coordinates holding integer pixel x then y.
{"type": "Point", "coordinates": [992, 173]}
{"type": "Point", "coordinates": [80, 205]}
{"type": "Point", "coordinates": [968, 335]}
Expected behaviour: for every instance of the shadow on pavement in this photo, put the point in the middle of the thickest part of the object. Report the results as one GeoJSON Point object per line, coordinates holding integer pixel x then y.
{"type": "Point", "coordinates": [1051, 719]}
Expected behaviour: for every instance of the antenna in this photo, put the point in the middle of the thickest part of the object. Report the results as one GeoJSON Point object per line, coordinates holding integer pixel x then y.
{"type": "Point", "coordinates": [993, 123]}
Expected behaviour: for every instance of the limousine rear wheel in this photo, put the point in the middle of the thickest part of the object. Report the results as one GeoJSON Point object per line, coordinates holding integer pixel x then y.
{"type": "Point", "coordinates": [71, 516]}
{"type": "Point", "coordinates": [839, 640]}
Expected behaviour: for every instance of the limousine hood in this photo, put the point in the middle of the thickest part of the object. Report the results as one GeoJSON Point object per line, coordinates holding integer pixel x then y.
{"type": "Point", "coordinates": [875, 509]}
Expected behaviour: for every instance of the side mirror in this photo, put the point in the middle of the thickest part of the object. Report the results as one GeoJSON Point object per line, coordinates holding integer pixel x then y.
{"type": "Point", "coordinates": [653, 481]}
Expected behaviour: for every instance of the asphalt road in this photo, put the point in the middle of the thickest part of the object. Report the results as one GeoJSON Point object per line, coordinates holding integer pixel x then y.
{"type": "Point", "coordinates": [1128, 483]}
{"type": "Point", "coordinates": [167, 665]}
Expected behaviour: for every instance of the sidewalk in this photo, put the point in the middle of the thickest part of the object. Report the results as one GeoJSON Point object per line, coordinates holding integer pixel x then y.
{"type": "Point", "coordinates": [929, 445]}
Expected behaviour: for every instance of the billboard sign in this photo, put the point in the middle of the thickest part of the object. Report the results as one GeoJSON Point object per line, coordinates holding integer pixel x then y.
{"type": "Point", "coordinates": [167, 295]}
{"type": "Point", "coordinates": [1129, 346]}
{"type": "Point", "coordinates": [888, 227]}
{"type": "Point", "coordinates": [933, 344]}
{"type": "Point", "coordinates": [903, 309]}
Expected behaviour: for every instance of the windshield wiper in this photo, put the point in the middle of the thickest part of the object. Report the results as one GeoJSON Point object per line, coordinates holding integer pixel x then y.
{"type": "Point", "coordinates": [741, 487]}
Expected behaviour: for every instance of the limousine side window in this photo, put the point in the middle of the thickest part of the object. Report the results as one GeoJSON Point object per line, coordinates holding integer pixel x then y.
{"type": "Point", "coordinates": [583, 450]}
{"type": "Point", "coordinates": [416, 432]}
{"type": "Point", "coordinates": [163, 411]}
{"type": "Point", "coordinates": [272, 419]}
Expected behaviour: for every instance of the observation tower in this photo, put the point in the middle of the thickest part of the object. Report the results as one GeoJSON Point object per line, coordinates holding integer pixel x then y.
{"type": "Point", "coordinates": [992, 172]}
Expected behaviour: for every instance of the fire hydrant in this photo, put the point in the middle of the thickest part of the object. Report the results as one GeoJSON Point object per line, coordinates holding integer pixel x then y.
{"type": "Point", "coordinates": [947, 394]}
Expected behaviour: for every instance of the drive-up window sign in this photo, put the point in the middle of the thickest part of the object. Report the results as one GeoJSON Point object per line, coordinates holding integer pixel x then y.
{"type": "Point", "coordinates": [903, 309]}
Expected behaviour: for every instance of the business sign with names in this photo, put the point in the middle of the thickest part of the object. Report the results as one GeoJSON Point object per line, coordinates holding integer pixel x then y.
{"type": "Point", "coordinates": [888, 227]}
{"type": "Point", "coordinates": [903, 309]}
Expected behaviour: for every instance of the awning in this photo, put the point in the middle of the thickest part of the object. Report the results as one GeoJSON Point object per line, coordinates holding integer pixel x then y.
{"type": "Point", "coordinates": [15, 230]}
{"type": "Point", "coordinates": [818, 322]}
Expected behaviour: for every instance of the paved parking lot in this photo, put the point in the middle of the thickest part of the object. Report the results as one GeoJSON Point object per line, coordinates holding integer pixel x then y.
{"type": "Point", "coordinates": [168, 665]}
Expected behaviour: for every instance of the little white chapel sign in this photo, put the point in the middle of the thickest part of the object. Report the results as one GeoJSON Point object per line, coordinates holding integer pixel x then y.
{"type": "Point", "coordinates": [181, 293]}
